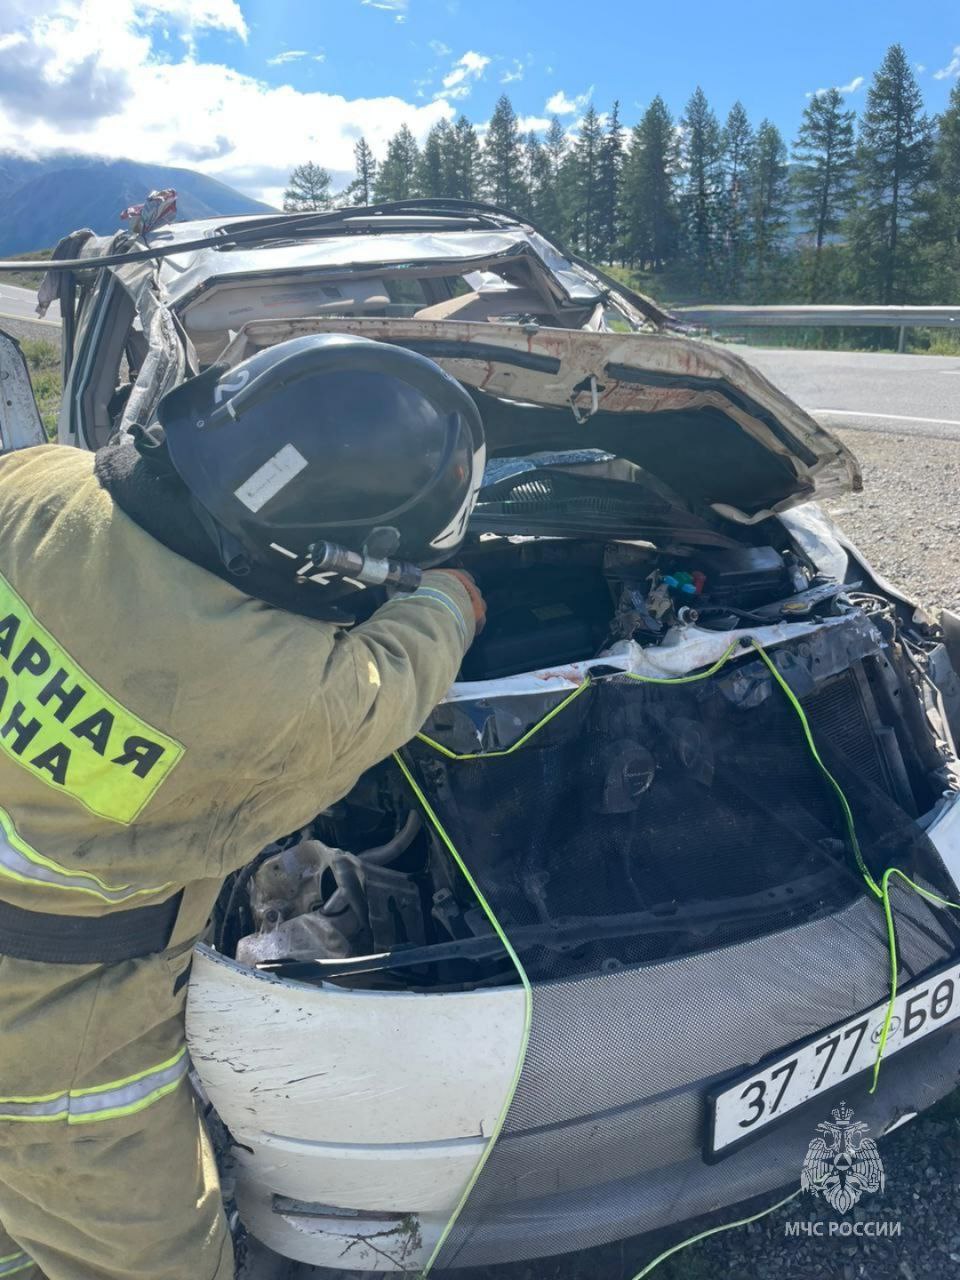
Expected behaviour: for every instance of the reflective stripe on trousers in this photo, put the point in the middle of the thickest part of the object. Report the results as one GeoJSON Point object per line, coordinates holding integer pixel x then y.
{"type": "Point", "coordinates": [14, 1262]}
{"type": "Point", "coordinates": [18, 861]}
{"type": "Point", "coordinates": [102, 1102]}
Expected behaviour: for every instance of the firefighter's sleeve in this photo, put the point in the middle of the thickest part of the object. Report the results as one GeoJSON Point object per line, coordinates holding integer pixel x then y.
{"type": "Point", "coordinates": [384, 677]}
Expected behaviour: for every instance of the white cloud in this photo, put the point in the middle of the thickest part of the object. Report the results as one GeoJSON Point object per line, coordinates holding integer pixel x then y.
{"type": "Point", "coordinates": [463, 75]}
{"type": "Point", "coordinates": [219, 15]}
{"type": "Point", "coordinates": [852, 87]}
{"type": "Point", "coordinates": [469, 67]}
{"type": "Point", "coordinates": [919, 68]}
{"type": "Point", "coordinates": [560, 105]}
{"type": "Point", "coordinates": [533, 124]}
{"type": "Point", "coordinates": [439, 49]}
{"type": "Point", "coordinates": [515, 72]}
{"type": "Point", "coordinates": [80, 71]}
{"type": "Point", "coordinates": [389, 6]}
{"type": "Point", "coordinates": [952, 68]}
{"type": "Point", "coordinates": [295, 55]}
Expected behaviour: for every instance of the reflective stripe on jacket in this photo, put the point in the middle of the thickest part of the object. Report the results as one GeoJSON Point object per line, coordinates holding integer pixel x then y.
{"type": "Point", "coordinates": [157, 729]}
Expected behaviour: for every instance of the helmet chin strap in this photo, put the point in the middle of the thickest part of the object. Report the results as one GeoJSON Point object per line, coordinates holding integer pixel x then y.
{"type": "Point", "coordinates": [151, 444]}
{"type": "Point", "coordinates": [232, 553]}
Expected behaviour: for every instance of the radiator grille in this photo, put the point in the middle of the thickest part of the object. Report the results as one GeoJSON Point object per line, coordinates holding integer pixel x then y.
{"type": "Point", "coordinates": [839, 717]}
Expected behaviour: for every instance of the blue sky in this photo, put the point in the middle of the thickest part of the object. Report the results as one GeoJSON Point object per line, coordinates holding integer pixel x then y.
{"type": "Point", "coordinates": [631, 49]}
{"type": "Point", "coordinates": [244, 89]}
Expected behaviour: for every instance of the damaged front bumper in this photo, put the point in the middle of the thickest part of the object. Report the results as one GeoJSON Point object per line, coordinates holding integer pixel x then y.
{"type": "Point", "coordinates": [359, 1117]}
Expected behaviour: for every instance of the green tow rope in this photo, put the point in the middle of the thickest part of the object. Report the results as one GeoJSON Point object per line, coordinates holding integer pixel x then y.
{"type": "Point", "coordinates": [881, 891]}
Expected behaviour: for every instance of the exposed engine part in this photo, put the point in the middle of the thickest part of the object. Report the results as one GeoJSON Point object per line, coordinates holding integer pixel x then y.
{"type": "Point", "coordinates": [398, 912]}
{"type": "Point", "coordinates": [311, 899]}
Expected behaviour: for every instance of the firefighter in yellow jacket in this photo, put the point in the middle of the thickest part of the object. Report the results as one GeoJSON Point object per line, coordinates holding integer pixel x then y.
{"type": "Point", "coordinates": [179, 685]}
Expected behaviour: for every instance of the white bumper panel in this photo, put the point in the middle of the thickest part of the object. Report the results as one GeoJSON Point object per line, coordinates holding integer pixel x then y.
{"type": "Point", "coordinates": [357, 1100]}
{"type": "Point", "coordinates": [369, 1109]}
{"type": "Point", "coordinates": [324, 1240]}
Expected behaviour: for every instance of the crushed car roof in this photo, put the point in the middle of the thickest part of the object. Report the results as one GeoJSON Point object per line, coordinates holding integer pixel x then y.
{"type": "Point", "coordinates": [691, 412]}
{"type": "Point", "coordinates": [354, 253]}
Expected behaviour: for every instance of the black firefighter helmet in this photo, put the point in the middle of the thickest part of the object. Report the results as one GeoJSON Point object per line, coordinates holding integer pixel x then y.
{"type": "Point", "coordinates": [329, 438]}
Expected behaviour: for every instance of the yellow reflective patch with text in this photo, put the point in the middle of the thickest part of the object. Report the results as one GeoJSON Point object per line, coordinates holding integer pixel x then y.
{"type": "Point", "coordinates": [66, 730]}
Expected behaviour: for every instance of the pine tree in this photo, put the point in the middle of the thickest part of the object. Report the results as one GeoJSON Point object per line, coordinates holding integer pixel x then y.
{"type": "Point", "coordinates": [539, 186]}
{"type": "Point", "coordinates": [434, 164]}
{"type": "Point", "coordinates": [366, 170]}
{"type": "Point", "coordinates": [649, 196]}
{"type": "Point", "coordinates": [736, 142]}
{"type": "Point", "coordinates": [568, 195]}
{"type": "Point", "coordinates": [894, 160]}
{"type": "Point", "coordinates": [585, 209]}
{"type": "Point", "coordinates": [824, 177]}
{"type": "Point", "coordinates": [769, 208]}
{"type": "Point", "coordinates": [702, 185]}
{"type": "Point", "coordinates": [308, 189]}
{"type": "Point", "coordinates": [610, 174]}
{"type": "Point", "coordinates": [553, 200]}
{"type": "Point", "coordinates": [503, 157]}
{"type": "Point", "coordinates": [940, 229]}
{"type": "Point", "coordinates": [360, 190]}
{"type": "Point", "coordinates": [555, 145]}
{"type": "Point", "coordinates": [397, 174]}
{"type": "Point", "coordinates": [462, 161]}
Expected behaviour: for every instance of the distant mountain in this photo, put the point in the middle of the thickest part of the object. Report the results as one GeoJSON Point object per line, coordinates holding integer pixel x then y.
{"type": "Point", "coordinates": [42, 200]}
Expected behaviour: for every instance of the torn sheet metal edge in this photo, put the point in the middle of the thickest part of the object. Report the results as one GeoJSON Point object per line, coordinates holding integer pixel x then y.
{"type": "Point", "coordinates": [684, 650]}
{"type": "Point", "coordinates": [20, 425]}
{"type": "Point", "coordinates": [944, 832]}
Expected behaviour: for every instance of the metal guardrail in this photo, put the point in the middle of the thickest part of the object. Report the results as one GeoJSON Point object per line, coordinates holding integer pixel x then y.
{"type": "Point", "coordinates": [853, 317]}
{"type": "Point", "coordinates": [812, 316]}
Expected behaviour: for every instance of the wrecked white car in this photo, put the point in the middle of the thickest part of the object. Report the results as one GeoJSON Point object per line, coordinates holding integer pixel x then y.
{"type": "Point", "coordinates": [592, 956]}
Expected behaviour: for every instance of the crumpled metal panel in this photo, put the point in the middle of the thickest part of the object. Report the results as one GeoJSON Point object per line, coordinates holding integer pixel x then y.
{"type": "Point", "coordinates": [635, 373]}
{"type": "Point", "coordinates": [459, 249]}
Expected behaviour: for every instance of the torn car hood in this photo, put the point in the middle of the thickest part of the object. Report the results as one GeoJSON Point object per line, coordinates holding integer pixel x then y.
{"type": "Point", "coordinates": [691, 412]}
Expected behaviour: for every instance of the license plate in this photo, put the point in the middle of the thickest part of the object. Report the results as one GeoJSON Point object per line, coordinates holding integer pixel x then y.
{"type": "Point", "coordinates": [745, 1108]}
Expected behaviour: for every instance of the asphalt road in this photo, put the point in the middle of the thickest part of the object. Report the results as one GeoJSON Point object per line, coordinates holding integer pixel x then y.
{"type": "Point", "coordinates": [903, 395]}
{"type": "Point", "coordinates": [887, 393]}
{"type": "Point", "coordinates": [21, 304]}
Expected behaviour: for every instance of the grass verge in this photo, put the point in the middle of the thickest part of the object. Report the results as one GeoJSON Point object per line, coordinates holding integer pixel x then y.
{"type": "Point", "coordinates": [25, 279]}
{"type": "Point", "coordinates": [43, 361]}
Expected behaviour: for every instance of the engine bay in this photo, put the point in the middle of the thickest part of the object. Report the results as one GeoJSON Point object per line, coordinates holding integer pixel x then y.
{"type": "Point", "coordinates": [369, 878]}
{"type": "Point", "coordinates": [556, 601]}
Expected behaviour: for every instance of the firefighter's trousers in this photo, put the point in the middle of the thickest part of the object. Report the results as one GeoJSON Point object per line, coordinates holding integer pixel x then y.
{"type": "Point", "coordinates": [120, 1200]}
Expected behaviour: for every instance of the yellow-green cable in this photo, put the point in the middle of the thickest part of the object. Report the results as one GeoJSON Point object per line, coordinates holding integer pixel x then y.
{"type": "Point", "coordinates": [880, 891]}
{"type": "Point", "coordinates": [527, 1009]}
{"type": "Point", "coordinates": [562, 706]}
{"type": "Point", "coordinates": [521, 742]}
{"type": "Point", "coordinates": [525, 981]}
{"type": "Point", "coordinates": [892, 944]}
{"type": "Point", "coordinates": [808, 734]}
{"type": "Point", "coordinates": [712, 1231]}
